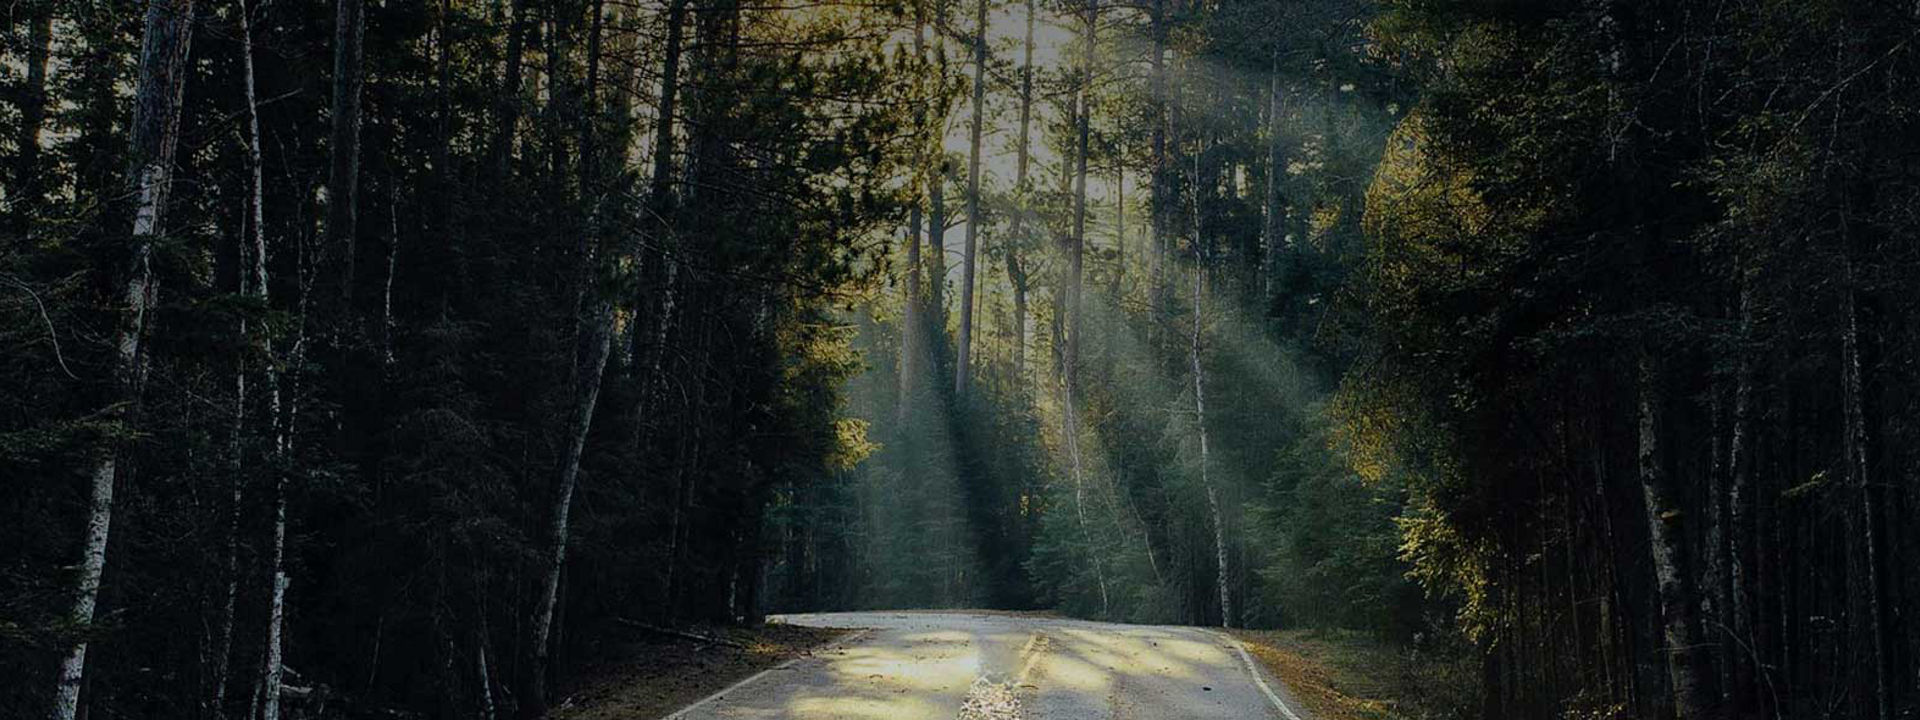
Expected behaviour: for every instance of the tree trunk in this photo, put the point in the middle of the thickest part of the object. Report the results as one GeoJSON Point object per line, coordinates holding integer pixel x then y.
{"type": "Point", "coordinates": [255, 285]}
{"type": "Point", "coordinates": [1076, 251]}
{"type": "Point", "coordinates": [1119, 233]}
{"type": "Point", "coordinates": [1016, 272]}
{"type": "Point", "coordinates": [1222, 577]}
{"type": "Point", "coordinates": [1739, 516]}
{"type": "Point", "coordinates": [154, 134]}
{"type": "Point", "coordinates": [28, 187]}
{"type": "Point", "coordinates": [1859, 478]}
{"type": "Point", "coordinates": [508, 98]}
{"type": "Point", "coordinates": [593, 334]}
{"type": "Point", "coordinates": [910, 329]}
{"type": "Point", "coordinates": [590, 361]}
{"type": "Point", "coordinates": [660, 207]}
{"type": "Point", "coordinates": [1691, 694]}
{"type": "Point", "coordinates": [937, 189]}
{"type": "Point", "coordinates": [1275, 215]}
{"type": "Point", "coordinates": [1158, 201]}
{"type": "Point", "coordinates": [1017, 276]}
{"type": "Point", "coordinates": [343, 179]}
{"type": "Point", "coordinates": [961, 354]}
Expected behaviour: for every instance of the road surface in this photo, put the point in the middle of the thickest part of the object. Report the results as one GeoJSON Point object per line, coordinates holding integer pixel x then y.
{"type": "Point", "coordinates": [974, 666]}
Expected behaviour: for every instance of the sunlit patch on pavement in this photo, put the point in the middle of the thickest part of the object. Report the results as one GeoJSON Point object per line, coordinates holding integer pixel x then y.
{"type": "Point", "coordinates": [990, 699]}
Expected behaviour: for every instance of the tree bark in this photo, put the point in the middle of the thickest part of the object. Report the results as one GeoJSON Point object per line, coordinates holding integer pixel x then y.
{"type": "Point", "coordinates": [1076, 250]}
{"type": "Point", "coordinates": [593, 343]}
{"type": "Point", "coordinates": [154, 134]}
{"type": "Point", "coordinates": [1859, 477]}
{"type": "Point", "coordinates": [1222, 575]}
{"type": "Point", "coordinates": [1739, 515]}
{"type": "Point", "coordinates": [508, 118]}
{"type": "Point", "coordinates": [343, 180]}
{"type": "Point", "coordinates": [254, 285]}
{"type": "Point", "coordinates": [590, 362]}
{"type": "Point", "coordinates": [1016, 272]}
{"type": "Point", "coordinates": [28, 188]}
{"type": "Point", "coordinates": [1119, 233]}
{"type": "Point", "coordinates": [660, 204]}
{"type": "Point", "coordinates": [937, 187]}
{"type": "Point", "coordinates": [910, 330]}
{"type": "Point", "coordinates": [1692, 695]}
{"type": "Point", "coordinates": [1275, 219]}
{"type": "Point", "coordinates": [961, 370]}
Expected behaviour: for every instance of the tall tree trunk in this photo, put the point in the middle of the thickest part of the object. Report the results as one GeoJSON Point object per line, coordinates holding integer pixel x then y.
{"type": "Point", "coordinates": [961, 370]}
{"type": "Point", "coordinates": [1075, 269]}
{"type": "Point", "coordinates": [343, 179]}
{"type": "Point", "coordinates": [1016, 271]}
{"type": "Point", "coordinates": [1859, 478]}
{"type": "Point", "coordinates": [660, 204]}
{"type": "Point", "coordinates": [1692, 695]}
{"type": "Point", "coordinates": [1739, 515]}
{"type": "Point", "coordinates": [1119, 232]}
{"type": "Point", "coordinates": [937, 189]}
{"type": "Point", "coordinates": [1076, 251]}
{"type": "Point", "coordinates": [1017, 277]}
{"type": "Point", "coordinates": [255, 285]}
{"type": "Point", "coordinates": [1222, 575]}
{"type": "Point", "coordinates": [910, 329]}
{"type": "Point", "coordinates": [154, 134]}
{"type": "Point", "coordinates": [29, 189]}
{"type": "Point", "coordinates": [593, 342]}
{"type": "Point", "coordinates": [590, 362]}
{"type": "Point", "coordinates": [1275, 220]}
{"type": "Point", "coordinates": [508, 94]}
{"type": "Point", "coordinates": [1158, 202]}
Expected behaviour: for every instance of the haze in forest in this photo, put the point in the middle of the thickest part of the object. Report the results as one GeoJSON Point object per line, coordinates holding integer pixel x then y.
{"type": "Point", "coordinates": [402, 359]}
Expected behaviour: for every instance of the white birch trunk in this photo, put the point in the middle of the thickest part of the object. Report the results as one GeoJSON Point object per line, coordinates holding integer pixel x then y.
{"type": "Point", "coordinates": [156, 118]}
{"type": "Point", "coordinates": [486, 680]}
{"type": "Point", "coordinates": [1206, 478]}
{"type": "Point", "coordinates": [1664, 538]}
{"type": "Point", "coordinates": [257, 289]}
{"type": "Point", "coordinates": [586, 393]}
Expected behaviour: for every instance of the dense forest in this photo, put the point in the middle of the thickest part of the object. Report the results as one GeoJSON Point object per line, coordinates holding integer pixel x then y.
{"type": "Point", "coordinates": [365, 358]}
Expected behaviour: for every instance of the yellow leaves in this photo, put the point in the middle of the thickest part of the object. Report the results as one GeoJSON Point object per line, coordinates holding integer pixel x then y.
{"type": "Point", "coordinates": [1428, 224]}
{"type": "Point", "coordinates": [1366, 432]}
{"type": "Point", "coordinates": [1444, 561]}
{"type": "Point", "coordinates": [851, 445]}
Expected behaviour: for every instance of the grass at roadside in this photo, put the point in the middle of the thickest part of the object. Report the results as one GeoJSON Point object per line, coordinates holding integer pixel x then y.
{"type": "Point", "coordinates": [641, 673]}
{"type": "Point", "coordinates": [1341, 675]}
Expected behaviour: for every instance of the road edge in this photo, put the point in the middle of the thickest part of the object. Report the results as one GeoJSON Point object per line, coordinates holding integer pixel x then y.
{"type": "Point", "coordinates": [842, 641]}
{"type": "Point", "coordinates": [1259, 675]}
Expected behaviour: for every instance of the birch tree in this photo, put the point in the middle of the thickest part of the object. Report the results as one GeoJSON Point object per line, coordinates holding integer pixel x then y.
{"type": "Point", "coordinates": [1679, 626]}
{"type": "Point", "coordinates": [155, 132]}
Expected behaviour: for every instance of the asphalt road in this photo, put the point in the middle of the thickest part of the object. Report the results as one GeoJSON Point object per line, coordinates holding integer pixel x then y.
{"type": "Point", "coordinates": [971, 666]}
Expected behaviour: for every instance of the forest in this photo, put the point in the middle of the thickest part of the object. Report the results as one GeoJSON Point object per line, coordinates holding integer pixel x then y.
{"type": "Point", "coordinates": [368, 358]}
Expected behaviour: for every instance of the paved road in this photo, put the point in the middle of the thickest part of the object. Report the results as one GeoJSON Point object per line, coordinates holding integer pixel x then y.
{"type": "Point", "coordinates": [968, 666]}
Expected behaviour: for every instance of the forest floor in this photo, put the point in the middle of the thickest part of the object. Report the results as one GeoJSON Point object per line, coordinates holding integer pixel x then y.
{"type": "Point", "coordinates": [640, 673]}
{"type": "Point", "coordinates": [1344, 675]}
